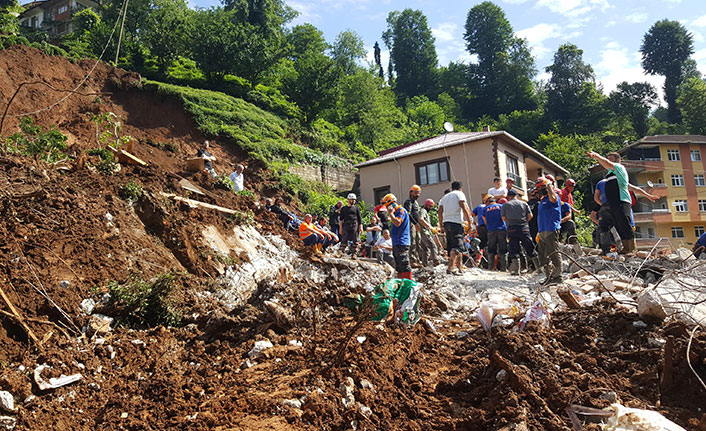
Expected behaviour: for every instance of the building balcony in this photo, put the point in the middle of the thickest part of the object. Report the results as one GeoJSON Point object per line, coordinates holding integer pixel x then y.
{"type": "Point", "coordinates": [643, 165]}
{"type": "Point", "coordinates": [659, 190]}
{"type": "Point", "coordinates": [656, 215]}
{"type": "Point", "coordinates": [648, 243]}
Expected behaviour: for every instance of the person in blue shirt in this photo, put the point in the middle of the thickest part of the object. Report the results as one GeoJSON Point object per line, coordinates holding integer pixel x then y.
{"type": "Point", "coordinates": [482, 229]}
{"type": "Point", "coordinates": [700, 247]}
{"type": "Point", "coordinates": [549, 225]}
{"type": "Point", "coordinates": [497, 235]}
{"type": "Point", "coordinates": [568, 226]}
{"type": "Point", "coordinates": [399, 231]}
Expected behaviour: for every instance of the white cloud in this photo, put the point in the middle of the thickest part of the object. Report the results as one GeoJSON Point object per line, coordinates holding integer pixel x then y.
{"type": "Point", "coordinates": [698, 37]}
{"type": "Point", "coordinates": [538, 34]}
{"type": "Point", "coordinates": [574, 8]}
{"type": "Point", "coordinates": [700, 58]}
{"type": "Point", "coordinates": [618, 64]}
{"type": "Point", "coordinates": [636, 17]}
{"type": "Point", "coordinates": [446, 32]}
{"type": "Point", "coordinates": [700, 21]}
{"type": "Point", "coordinates": [515, 1]}
{"type": "Point", "coordinates": [450, 45]}
{"type": "Point", "coordinates": [307, 12]}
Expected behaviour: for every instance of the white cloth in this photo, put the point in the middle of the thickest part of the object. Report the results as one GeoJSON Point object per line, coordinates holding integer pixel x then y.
{"type": "Point", "coordinates": [452, 207]}
{"type": "Point", "coordinates": [237, 181]}
{"type": "Point", "coordinates": [494, 192]}
{"type": "Point", "coordinates": [386, 243]}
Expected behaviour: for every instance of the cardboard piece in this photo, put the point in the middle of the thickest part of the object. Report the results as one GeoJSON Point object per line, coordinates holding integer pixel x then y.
{"type": "Point", "coordinates": [195, 164]}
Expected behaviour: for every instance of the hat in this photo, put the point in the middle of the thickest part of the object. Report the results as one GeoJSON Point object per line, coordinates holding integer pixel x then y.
{"type": "Point", "coordinates": [511, 193]}
{"type": "Point", "coordinates": [429, 202]}
{"type": "Point", "coordinates": [510, 179]}
{"type": "Point", "coordinates": [415, 188]}
{"type": "Point", "coordinates": [352, 196]}
{"type": "Point", "coordinates": [380, 208]}
{"type": "Point", "coordinates": [388, 199]}
{"type": "Point", "coordinates": [502, 200]}
{"type": "Point", "coordinates": [550, 177]}
{"type": "Point", "coordinates": [570, 182]}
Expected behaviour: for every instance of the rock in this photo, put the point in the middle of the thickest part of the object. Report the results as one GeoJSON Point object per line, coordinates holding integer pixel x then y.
{"type": "Point", "coordinates": [501, 375]}
{"type": "Point", "coordinates": [87, 306]}
{"type": "Point", "coordinates": [347, 389]}
{"type": "Point", "coordinates": [460, 335]}
{"type": "Point", "coordinates": [7, 401]}
{"type": "Point", "coordinates": [64, 284]}
{"type": "Point", "coordinates": [441, 301]}
{"type": "Point", "coordinates": [365, 411]}
{"type": "Point", "coordinates": [7, 422]}
{"type": "Point", "coordinates": [295, 343]}
{"type": "Point", "coordinates": [649, 304]}
{"type": "Point", "coordinates": [98, 324]}
{"type": "Point", "coordinates": [94, 386]}
{"type": "Point", "coordinates": [283, 317]}
{"type": "Point", "coordinates": [259, 348]}
{"type": "Point", "coordinates": [293, 403]}
{"type": "Point", "coordinates": [639, 324]}
{"type": "Point", "coordinates": [609, 396]}
{"type": "Point", "coordinates": [365, 384]}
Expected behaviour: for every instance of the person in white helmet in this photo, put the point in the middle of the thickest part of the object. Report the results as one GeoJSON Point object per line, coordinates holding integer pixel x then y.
{"type": "Point", "coordinates": [350, 225]}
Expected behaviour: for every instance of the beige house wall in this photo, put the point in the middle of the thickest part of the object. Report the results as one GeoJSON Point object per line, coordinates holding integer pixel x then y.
{"type": "Point", "coordinates": [473, 163]}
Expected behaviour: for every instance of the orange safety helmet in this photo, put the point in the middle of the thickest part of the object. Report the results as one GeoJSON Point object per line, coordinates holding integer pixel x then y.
{"type": "Point", "coordinates": [388, 199]}
{"type": "Point", "coordinates": [415, 188]}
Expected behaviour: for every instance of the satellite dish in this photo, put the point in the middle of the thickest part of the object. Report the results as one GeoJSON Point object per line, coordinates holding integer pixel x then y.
{"type": "Point", "coordinates": [650, 183]}
{"type": "Point", "coordinates": [448, 127]}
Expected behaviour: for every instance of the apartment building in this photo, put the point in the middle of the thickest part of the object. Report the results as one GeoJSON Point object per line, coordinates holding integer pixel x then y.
{"type": "Point", "coordinates": [673, 168]}
{"type": "Point", "coordinates": [53, 16]}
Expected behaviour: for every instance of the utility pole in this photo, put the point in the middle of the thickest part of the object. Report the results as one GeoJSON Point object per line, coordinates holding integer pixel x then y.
{"type": "Point", "coordinates": [120, 37]}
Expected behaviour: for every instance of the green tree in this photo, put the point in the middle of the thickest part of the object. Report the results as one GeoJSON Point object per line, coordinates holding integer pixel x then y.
{"type": "Point", "coordinates": [453, 80]}
{"type": "Point", "coordinates": [347, 49]}
{"type": "Point", "coordinates": [665, 49]}
{"type": "Point", "coordinates": [215, 42]}
{"type": "Point", "coordinates": [567, 91]}
{"type": "Point", "coordinates": [412, 53]}
{"type": "Point", "coordinates": [166, 32]}
{"type": "Point", "coordinates": [304, 38]}
{"type": "Point", "coordinates": [428, 116]}
{"type": "Point", "coordinates": [501, 81]}
{"type": "Point", "coordinates": [84, 20]}
{"type": "Point", "coordinates": [634, 101]}
{"type": "Point", "coordinates": [692, 104]}
{"type": "Point", "coordinates": [314, 85]}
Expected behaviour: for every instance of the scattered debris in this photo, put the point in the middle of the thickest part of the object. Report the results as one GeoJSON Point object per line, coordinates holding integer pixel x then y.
{"type": "Point", "coordinates": [7, 402]}
{"type": "Point", "coordinates": [259, 348]}
{"type": "Point", "coordinates": [53, 382]}
{"type": "Point", "coordinates": [7, 422]}
{"type": "Point", "coordinates": [98, 324]}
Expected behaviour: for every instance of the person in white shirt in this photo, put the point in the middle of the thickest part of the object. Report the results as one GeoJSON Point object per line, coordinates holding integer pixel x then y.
{"type": "Point", "coordinates": [237, 178]}
{"type": "Point", "coordinates": [452, 210]}
{"type": "Point", "coordinates": [497, 192]}
{"type": "Point", "coordinates": [383, 248]}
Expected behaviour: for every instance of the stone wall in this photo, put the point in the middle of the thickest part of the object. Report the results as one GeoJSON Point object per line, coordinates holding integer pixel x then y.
{"type": "Point", "coordinates": [339, 179]}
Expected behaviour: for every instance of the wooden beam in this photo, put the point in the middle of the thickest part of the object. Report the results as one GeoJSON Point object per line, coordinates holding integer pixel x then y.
{"type": "Point", "coordinates": [199, 204]}
{"type": "Point", "coordinates": [125, 157]}
{"type": "Point", "coordinates": [188, 185]}
{"type": "Point", "coordinates": [19, 318]}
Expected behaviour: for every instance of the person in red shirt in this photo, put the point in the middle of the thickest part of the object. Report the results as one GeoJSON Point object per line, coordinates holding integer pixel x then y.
{"type": "Point", "coordinates": [566, 194]}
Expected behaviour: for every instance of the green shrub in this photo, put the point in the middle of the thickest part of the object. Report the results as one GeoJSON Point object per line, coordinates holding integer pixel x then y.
{"type": "Point", "coordinates": [107, 163]}
{"type": "Point", "coordinates": [131, 192]}
{"type": "Point", "coordinates": [142, 303]}
{"type": "Point", "coordinates": [49, 145]}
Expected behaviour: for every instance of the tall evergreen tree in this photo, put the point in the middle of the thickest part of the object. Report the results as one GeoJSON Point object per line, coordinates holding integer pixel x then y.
{"type": "Point", "coordinates": [412, 53]}
{"type": "Point", "coordinates": [501, 82]}
{"type": "Point", "coordinates": [665, 49]}
{"type": "Point", "coordinates": [347, 49]}
{"type": "Point", "coordinates": [378, 60]}
{"type": "Point", "coordinates": [634, 102]}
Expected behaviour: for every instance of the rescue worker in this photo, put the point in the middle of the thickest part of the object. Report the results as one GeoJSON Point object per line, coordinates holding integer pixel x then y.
{"type": "Point", "coordinates": [350, 225]}
{"type": "Point", "coordinates": [415, 229]}
{"type": "Point", "coordinates": [517, 215]}
{"type": "Point", "coordinates": [400, 235]}
{"type": "Point", "coordinates": [497, 235]}
{"type": "Point", "coordinates": [428, 248]}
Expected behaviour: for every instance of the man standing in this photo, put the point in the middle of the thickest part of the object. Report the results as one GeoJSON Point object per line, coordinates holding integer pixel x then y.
{"type": "Point", "coordinates": [482, 228]}
{"type": "Point", "coordinates": [452, 210]}
{"type": "Point", "coordinates": [399, 235]}
{"type": "Point", "coordinates": [208, 159]}
{"type": "Point", "coordinates": [549, 224]}
{"type": "Point", "coordinates": [372, 233]}
{"type": "Point", "coordinates": [350, 225]}
{"type": "Point", "coordinates": [566, 194]}
{"type": "Point", "coordinates": [497, 191]}
{"type": "Point", "coordinates": [568, 226]}
{"type": "Point", "coordinates": [334, 218]}
{"type": "Point", "coordinates": [237, 178]}
{"type": "Point", "coordinates": [415, 229]}
{"type": "Point", "coordinates": [497, 235]}
{"type": "Point", "coordinates": [428, 248]}
{"type": "Point", "coordinates": [517, 215]}
{"type": "Point", "coordinates": [699, 249]}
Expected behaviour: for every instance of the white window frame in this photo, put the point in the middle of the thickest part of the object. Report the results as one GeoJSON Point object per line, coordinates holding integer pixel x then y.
{"type": "Point", "coordinates": [702, 205]}
{"type": "Point", "coordinates": [677, 180]}
{"type": "Point", "coordinates": [673, 155]}
{"type": "Point", "coordinates": [681, 206]}
{"type": "Point", "coordinates": [695, 155]}
{"type": "Point", "coordinates": [421, 171]}
{"type": "Point", "coordinates": [677, 232]}
{"type": "Point", "coordinates": [699, 180]}
{"type": "Point", "coordinates": [512, 163]}
{"type": "Point", "coordinates": [62, 9]}
{"type": "Point", "coordinates": [698, 231]}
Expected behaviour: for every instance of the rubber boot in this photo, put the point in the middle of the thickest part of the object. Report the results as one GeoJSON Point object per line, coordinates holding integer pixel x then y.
{"type": "Point", "coordinates": [502, 262]}
{"type": "Point", "coordinates": [515, 266]}
{"type": "Point", "coordinates": [524, 264]}
{"type": "Point", "coordinates": [407, 275]}
{"type": "Point", "coordinates": [491, 261]}
{"type": "Point", "coordinates": [535, 262]}
{"type": "Point", "coordinates": [629, 246]}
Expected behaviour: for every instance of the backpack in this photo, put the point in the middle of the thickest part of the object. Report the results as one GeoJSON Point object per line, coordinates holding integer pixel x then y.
{"type": "Point", "coordinates": [612, 191]}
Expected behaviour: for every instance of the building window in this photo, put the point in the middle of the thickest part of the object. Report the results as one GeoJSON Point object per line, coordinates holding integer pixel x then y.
{"type": "Point", "coordinates": [433, 172]}
{"type": "Point", "coordinates": [678, 180]}
{"type": "Point", "coordinates": [380, 193]}
{"type": "Point", "coordinates": [62, 9]}
{"type": "Point", "coordinates": [673, 155]}
{"type": "Point", "coordinates": [513, 169]}
{"type": "Point", "coordinates": [25, 23]}
{"type": "Point", "coordinates": [698, 231]}
{"type": "Point", "coordinates": [677, 232]}
{"type": "Point", "coordinates": [35, 22]}
{"type": "Point", "coordinates": [699, 180]}
{"type": "Point", "coordinates": [651, 232]}
{"type": "Point", "coordinates": [695, 155]}
{"type": "Point", "coordinates": [681, 206]}
{"type": "Point", "coordinates": [702, 205]}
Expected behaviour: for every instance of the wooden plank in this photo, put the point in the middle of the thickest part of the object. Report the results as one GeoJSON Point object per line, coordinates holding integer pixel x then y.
{"type": "Point", "coordinates": [188, 185]}
{"type": "Point", "coordinates": [199, 204]}
{"type": "Point", "coordinates": [19, 318]}
{"type": "Point", "coordinates": [195, 164]}
{"type": "Point", "coordinates": [125, 157]}
{"type": "Point", "coordinates": [568, 297]}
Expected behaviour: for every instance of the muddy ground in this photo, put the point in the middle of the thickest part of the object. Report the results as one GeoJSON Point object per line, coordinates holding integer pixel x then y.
{"type": "Point", "coordinates": [54, 227]}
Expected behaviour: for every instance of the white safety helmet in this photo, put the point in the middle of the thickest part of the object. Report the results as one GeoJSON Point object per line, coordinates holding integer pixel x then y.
{"type": "Point", "coordinates": [352, 196]}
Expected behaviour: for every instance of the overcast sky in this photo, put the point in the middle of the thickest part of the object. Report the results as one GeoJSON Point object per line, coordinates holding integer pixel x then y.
{"type": "Point", "coordinates": [609, 31]}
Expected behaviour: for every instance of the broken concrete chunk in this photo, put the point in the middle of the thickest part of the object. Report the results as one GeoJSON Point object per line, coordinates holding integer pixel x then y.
{"type": "Point", "coordinates": [293, 403]}
{"type": "Point", "coordinates": [639, 324]}
{"type": "Point", "coordinates": [259, 348]}
{"type": "Point", "coordinates": [284, 318]}
{"type": "Point", "coordinates": [365, 384]}
{"type": "Point", "coordinates": [54, 382]}
{"type": "Point", "coordinates": [365, 411]}
{"type": "Point", "coordinates": [649, 304]}
{"type": "Point", "coordinates": [87, 306]}
{"type": "Point", "coordinates": [98, 324]}
{"type": "Point", "coordinates": [7, 422]}
{"type": "Point", "coordinates": [7, 401]}
{"type": "Point", "coordinates": [626, 418]}
{"type": "Point", "coordinates": [347, 388]}
{"type": "Point", "coordinates": [610, 396]}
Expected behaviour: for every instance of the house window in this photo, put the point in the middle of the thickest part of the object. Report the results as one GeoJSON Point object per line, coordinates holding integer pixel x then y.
{"type": "Point", "coordinates": [62, 9]}
{"type": "Point", "coordinates": [678, 180]}
{"type": "Point", "coordinates": [35, 22]}
{"type": "Point", "coordinates": [677, 232]}
{"type": "Point", "coordinates": [699, 180]}
{"type": "Point", "coordinates": [380, 193]}
{"type": "Point", "coordinates": [681, 206]}
{"type": "Point", "coordinates": [698, 231]}
{"type": "Point", "coordinates": [673, 155]}
{"type": "Point", "coordinates": [25, 23]}
{"type": "Point", "coordinates": [695, 155]}
{"type": "Point", "coordinates": [651, 232]}
{"type": "Point", "coordinates": [702, 205]}
{"type": "Point", "coordinates": [513, 169]}
{"type": "Point", "coordinates": [433, 172]}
